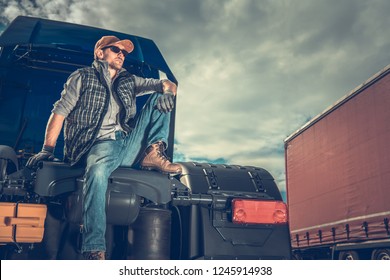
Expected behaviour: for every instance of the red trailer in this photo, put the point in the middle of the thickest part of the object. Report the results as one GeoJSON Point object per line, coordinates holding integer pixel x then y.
{"type": "Point", "coordinates": [338, 177]}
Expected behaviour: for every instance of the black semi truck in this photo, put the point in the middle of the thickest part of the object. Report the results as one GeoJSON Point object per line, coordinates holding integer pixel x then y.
{"type": "Point", "coordinates": [210, 211]}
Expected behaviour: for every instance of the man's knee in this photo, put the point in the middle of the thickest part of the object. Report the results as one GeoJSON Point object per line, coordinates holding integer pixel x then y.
{"type": "Point", "coordinates": [153, 97]}
{"type": "Point", "coordinates": [97, 172]}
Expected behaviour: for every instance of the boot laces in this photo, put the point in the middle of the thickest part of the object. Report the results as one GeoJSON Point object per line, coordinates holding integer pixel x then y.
{"type": "Point", "coordinates": [160, 152]}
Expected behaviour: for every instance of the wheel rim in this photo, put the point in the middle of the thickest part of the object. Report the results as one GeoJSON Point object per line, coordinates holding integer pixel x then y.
{"type": "Point", "coordinates": [382, 255]}
{"type": "Point", "coordinates": [349, 255]}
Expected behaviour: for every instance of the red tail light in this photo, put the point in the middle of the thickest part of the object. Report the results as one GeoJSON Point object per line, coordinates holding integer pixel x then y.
{"type": "Point", "coordinates": [259, 212]}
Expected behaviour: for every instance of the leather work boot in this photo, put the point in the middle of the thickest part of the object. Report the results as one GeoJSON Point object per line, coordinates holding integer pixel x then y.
{"type": "Point", "coordinates": [155, 159]}
{"type": "Point", "coordinates": [96, 255]}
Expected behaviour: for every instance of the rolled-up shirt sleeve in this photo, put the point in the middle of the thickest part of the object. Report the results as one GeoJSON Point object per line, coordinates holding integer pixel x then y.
{"type": "Point", "coordinates": [69, 95]}
{"type": "Point", "coordinates": [147, 85]}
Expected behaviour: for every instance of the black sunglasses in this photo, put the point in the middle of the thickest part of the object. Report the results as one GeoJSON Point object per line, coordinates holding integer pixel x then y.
{"type": "Point", "coordinates": [115, 49]}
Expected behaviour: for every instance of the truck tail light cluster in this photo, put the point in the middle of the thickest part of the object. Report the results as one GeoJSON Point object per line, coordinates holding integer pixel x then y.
{"type": "Point", "coordinates": [247, 211]}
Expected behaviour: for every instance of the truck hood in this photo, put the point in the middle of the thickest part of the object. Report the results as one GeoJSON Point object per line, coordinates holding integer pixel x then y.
{"type": "Point", "coordinates": [38, 55]}
{"type": "Point", "coordinates": [37, 34]}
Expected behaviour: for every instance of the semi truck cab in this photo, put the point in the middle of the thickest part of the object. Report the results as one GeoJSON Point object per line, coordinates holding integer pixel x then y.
{"type": "Point", "coordinates": [210, 211]}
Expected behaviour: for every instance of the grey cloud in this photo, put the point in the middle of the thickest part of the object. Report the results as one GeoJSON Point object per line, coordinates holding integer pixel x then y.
{"type": "Point", "coordinates": [250, 72]}
{"type": "Point", "coordinates": [323, 25]}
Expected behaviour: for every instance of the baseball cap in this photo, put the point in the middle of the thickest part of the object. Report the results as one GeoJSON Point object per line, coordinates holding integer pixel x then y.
{"type": "Point", "coordinates": [108, 41]}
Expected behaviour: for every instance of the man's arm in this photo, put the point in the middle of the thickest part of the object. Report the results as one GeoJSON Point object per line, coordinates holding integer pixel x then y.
{"type": "Point", "coordinates": [169, 86]}
{"type": "Point", "coordinates": [149, 85]}
{"type": "Point", "coordinates": [53, 129]}
{"type": "Point", "coordinates": [165, 102]}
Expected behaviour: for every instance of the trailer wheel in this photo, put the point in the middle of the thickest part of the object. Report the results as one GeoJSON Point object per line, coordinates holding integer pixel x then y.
{"type": "Point", "coordinates": [349, 255]}
{"type": "Point", "coordinates": [381, 254]}
{"type": "Point", "coordinates": [297, 256]}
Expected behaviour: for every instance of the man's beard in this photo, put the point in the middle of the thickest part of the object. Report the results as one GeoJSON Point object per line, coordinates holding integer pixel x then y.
{"type": "Point", "coordinates": [116, 65]}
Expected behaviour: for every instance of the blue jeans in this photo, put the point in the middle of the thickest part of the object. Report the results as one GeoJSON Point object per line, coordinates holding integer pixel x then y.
{"type": "Point", "coordinates": [104, 157]}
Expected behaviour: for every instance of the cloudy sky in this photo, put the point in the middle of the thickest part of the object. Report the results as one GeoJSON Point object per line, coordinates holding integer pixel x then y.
{"type": "Point", "coordinates": [251, 72]}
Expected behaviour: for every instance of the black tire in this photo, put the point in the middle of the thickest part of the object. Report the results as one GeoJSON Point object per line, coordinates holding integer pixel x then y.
{"type": "Point", "coordinates": [54, 228]}
{"type": "Point", "coordinates": [296, 256]}
{"type": "Point", "coordinates": [70, 246]}
{"type": "Point", "coordinates": [349, 255]}
{"type": "Point", "coordinates": [381, 254]}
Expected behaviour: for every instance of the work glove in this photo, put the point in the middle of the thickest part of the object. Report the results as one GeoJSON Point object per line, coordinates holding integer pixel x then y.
{"type": "Point", "coordinates": [47, 154]}
{"type": "Point", "coordinates": [165, 102]}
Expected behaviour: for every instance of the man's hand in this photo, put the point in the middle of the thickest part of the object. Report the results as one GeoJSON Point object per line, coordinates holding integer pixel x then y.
{"type": "Point", "coordinates": [47, 153]}
{"type": "Point", "coordinates": [165, 102]}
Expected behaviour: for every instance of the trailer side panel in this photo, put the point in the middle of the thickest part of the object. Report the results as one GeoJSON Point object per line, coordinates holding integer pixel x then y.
{"type": "Point", "coordinates": [338, 170]}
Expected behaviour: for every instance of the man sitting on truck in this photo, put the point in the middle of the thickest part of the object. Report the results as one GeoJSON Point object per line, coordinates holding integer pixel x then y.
{"type": "Point", "coordinates": [102, 130]}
